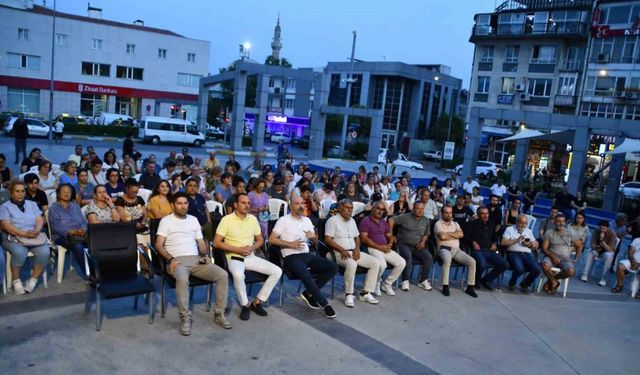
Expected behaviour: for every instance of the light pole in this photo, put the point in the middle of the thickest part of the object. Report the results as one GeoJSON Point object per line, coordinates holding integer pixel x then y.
{"type": "Point", "coordinates": [245, 49]}
{"type": "Point", "coordinates": [53, 50]}
{"type": "Point", "coordinates": [350, 80]}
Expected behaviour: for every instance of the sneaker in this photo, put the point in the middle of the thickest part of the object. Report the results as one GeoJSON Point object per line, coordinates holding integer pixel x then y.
{"type": "Point", "coordinates": [30, 285]}
{"type": "Point", "coordinates": [445, 291]}
{"type": "Point", "coordinates": [185, 327]}
{"type": "Point", "coordinates": [377, 291]}
{"type": "Point", "coordinates": [245, 313]}
{"type": "Point", "coordinates": [309, 300]}
{"type": "Point", "coordinates": [584, 278]}
{"type": "Point", "coordinates": [426, 285]}
{"type": "Point", "coordinates": [388, 289]}
{"type": "Point", "coordinates": [222, 321]}
{"type": "Point", "coordinates": [602, 283]}
{"type": "Point", "coordinates": [329, 312]}
{"type": "Point", "coordinates": [404, 286]}
{"type": "Point", "coordinates": [369, 298]}
{"type": "Point", "coordinates": [18, 289]}
{"type": "Point", "coordinates": [258, 309]}
{"type": "Point", "coordinates": [471, 291]}
{"type": "Point", "coordinates": [349, 301]}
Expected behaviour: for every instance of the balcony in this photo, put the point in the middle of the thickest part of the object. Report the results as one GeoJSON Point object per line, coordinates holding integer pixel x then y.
{"type": "Point", "coordinates": [564, 101]}
{"type": "Point", "coordinates": [572, 30]}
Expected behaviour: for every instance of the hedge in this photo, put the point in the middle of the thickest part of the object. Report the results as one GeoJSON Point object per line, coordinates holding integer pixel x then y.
{"type": "Point", "coordinates": [101, 130]}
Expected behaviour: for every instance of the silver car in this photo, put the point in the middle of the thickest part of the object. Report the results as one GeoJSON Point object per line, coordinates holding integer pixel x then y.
{"type": "Point", "coordinates": [36, 127]}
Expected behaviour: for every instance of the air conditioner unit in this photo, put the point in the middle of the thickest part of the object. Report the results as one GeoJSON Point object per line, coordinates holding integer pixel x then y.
{"type": "Point", "coordinates": [525, 97]}
{"type": "Point", "coordinates": [619, 94]}
{"type": "Point", "coordinates": [602, 58]}
{"type": "Point", "coordinates": [520, 87]}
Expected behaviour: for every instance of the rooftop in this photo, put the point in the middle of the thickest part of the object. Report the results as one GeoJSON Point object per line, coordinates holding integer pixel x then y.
{"type": "Point", "coordinates": [543, 4]}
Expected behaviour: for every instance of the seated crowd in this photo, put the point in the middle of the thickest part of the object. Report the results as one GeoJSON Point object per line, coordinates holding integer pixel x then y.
{"type": "Point", "coordinates": [395, 228]}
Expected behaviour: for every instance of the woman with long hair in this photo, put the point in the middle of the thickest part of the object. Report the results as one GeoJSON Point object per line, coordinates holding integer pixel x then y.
{"type": "Point", "coordinates": [579, 226]}
{"type": "Point", "coordinates": [109, 161]}
{"type": "Point", "coordinates": [159, 204]}
{"type": "Point", "coordinates": [127, 171]}
{"type": "Point", "coordinates": [512, 213]}
{"type": "Point", "coordinates": [259, 201]}
{"type": "Point", "coordinates": [402, 205]}
{"type": "Point", "coordinates": [176, 184]}
{"type": "Point", "coordinates": [46, 177]}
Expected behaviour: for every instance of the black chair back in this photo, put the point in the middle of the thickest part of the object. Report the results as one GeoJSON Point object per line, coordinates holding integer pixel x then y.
{"type": "Point", "coordinates": [114, 249]}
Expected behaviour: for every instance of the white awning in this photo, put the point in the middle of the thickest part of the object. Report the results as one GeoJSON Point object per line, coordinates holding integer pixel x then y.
{"type": "Point", "coordinates": [522, 134]}
{"type": "Point", "coordinates": [559, 136]}
{"type": "Point", "coordinates": [629, 145]}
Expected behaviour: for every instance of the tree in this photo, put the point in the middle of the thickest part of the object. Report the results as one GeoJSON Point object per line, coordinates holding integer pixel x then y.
{"type": "Point", "coordinates": [457, 129]}
{"type": "Point", "coordinates": [227, 88]}
{"type": "Point", "coordinates": [270, 60]}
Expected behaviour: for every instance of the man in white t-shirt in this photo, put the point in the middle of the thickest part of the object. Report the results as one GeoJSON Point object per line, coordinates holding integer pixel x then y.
{"type": "Point", "coordinates": [519, 241]}
{"type": "Point", "coordinates": [499, 189]}
{"type": "Point", "coordinates": [627, 265]}
{"type": "Point", "coordinates": [179, 240]}
{"type": "Point", "coordinates": [59, 130]}
{"type": "Point", "coordinates": [342, 236]}
{"type": "Point", "coordinates": [77, 155]}
{"type": "Point", "coordinates": [431, 211]}
{"type": "Point", "coordinates": [292, 234]}
{"type": "Point", "coordinates": [470, 184]}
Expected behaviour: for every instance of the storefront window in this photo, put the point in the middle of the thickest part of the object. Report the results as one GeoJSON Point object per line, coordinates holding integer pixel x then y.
{"type": "Point", "coordinates": [23, 100]}
{"type": "Point", "coordinates": [92, 105]}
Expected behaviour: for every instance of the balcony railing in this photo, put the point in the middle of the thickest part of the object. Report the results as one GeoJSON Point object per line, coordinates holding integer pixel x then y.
{"type": "Point", "coordinates": [565, 101]}
{"type": "Point", "coordinates": [548, 29]}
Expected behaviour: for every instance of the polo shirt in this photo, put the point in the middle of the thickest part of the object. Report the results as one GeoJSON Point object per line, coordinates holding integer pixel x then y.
{"type": "Point", "coordinates": [375, 231]}
{"type": "Point", "coordinates": [410, 229]}
{"type": "Point", "coordinates": [499, 190]}
{"type": "Point", "coordinates": [288, 228]}
{"type": "Point", "coordinates": [20, 220]}
{"type": "Point", "coordinates": [180, 235]}
{"type": "Point", "coordinates": [343, 232]}
{"type": "Point", "coordinates": [512, 233]}
{"type": "Point", "coordinates": [450, 227]}
{"type": "Point", "coordinates": [237, 231]}
{"type": "Point", "coordinates": [560, 243]}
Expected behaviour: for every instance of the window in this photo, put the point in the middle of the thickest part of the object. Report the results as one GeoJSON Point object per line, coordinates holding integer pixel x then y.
{"type": "Point", "coordinates": [539, 87]}
{"type": "Point", "coordinates": [567, 85]}
{"type": "Point", "coordinates": [566, 21]}
{"type": "Point", "coordinates": [20, 61]}
{"type": "Point", "coordinates": [96, 44]}
{"type": "Point", "coordinates": [483, 84]}
{"type": "Point", "coordinates": [23, 34]}
{"type": "Point", "coordinates": [95, 69]}
{"type": "Point", "coordinates": [604, 110]}
{"type": "Point", "coordinates": [271, 82]}
{"type": "Point", "coordinates": [23, 100]}
{"type": "Point", "coordinates": [131, 49]}
{"type": "Point", "coordinates": [191, 57]}
{"type": "Point", "coordinates": [128, 72]}
{"type": "Point", "coordinates": [619, 14]}
{"type": "Point", "coordinates": [512, 54]}
{"type": "Point", "coordinates": [289, 103]}
{"type": "Point", "coordinates": [61, 39]}
{"type": "Point", "coordinates": [92, 105]}
{"type": "Point", "coordinates": [543, 55]}
{"type": "Point", "coordinates": [511, 23]}
{"type": "Point", "coordinates": [540, 21]}
{"type": "Point", "coordinates": [508, 85]}
{"type": "Point", "coordinates": [486, 53]}
{"type": "Point", "coordinates": [291, 84]}
{"type": "Point", "coordinates": [483, 26]}
{"type": "Point", "coordinates": [162, 53]}
{"type": "Point", "coordinates": [185, 79]}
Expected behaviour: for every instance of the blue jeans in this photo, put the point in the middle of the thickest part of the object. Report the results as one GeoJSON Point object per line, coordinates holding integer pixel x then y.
{"type": "Point", "coordinates": [303, 265]}
{"type": "Point", "coordinates": [486, 258]}
{"type": "Point", "coordinates": [77, 249]}
{"type": "Point", "coordinates": [521, 263]}
{"type": "Point", "coordinates": [408, 252]}
{"type": "Point", "coordinates": [19, 253]}
{"type": "Point", "coordinates": [3, 264]}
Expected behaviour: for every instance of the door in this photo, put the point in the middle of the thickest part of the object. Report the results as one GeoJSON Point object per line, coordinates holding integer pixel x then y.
{"type": "Point", "coordinates": [123, 108]}
{"type": "Point", "coordinates": [387, 140]}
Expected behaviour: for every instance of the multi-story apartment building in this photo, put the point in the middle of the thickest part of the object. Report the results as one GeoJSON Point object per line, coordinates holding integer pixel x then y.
{"type": "Point", "coordinates": [99, 65]}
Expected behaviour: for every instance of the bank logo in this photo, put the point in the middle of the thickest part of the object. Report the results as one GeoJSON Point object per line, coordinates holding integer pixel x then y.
{"type": "Point", "coordinates": [80, 87]}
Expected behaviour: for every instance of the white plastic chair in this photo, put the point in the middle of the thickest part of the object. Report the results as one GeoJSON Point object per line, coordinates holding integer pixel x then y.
{"type": "Point", "coordinates": [61, 250]}
{"type": "Point", "coordinates": [144, 194]}
{"type": "Point", "coordinates": [275, 206]}
{"type": "Point", "coordinates": [8, 282]}
{"type": "Point", "coordinates": [531, 222]}
{"type": "Point", "coordinates": [563, 282]}
{"type": "Point", "coordinates": [137, 177]}
{"type": "Point", "coordinates": [358, 207]}
{"type": "Point", "coordinates": [51, 197]}
{"type": "Point", "coordinates": [325, 207]}
{"type": "Point", "coordinates": [212, 206]}
{"type": "Point", "coordinates": [601, 260]}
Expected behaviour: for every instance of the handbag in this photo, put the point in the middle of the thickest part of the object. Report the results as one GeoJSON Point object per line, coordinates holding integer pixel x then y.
{"type": "Point", "coordinates": [32, 242]}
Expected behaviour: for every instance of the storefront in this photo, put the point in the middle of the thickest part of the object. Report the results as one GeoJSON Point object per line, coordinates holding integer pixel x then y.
{"type": "Point", "coordinates": [292, 126]}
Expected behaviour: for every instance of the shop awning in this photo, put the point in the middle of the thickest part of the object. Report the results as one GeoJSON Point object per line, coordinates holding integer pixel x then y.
{"type": "Point", "coordinates": [522, 134]}
{"type": "Point", "coordinates": [558, 136]}
{"type": "Point", "coordinates": [629, 145]}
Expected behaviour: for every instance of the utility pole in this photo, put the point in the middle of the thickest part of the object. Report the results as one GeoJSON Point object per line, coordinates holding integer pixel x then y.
{"type": "Point", "coordinates": [53, 53]}
{"type": "Point", "coordinates": [345, 121]}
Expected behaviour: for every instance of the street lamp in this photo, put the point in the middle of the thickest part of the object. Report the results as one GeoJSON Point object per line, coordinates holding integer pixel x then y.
{"type": "Point", "coordinates": [603, 73]}
{"type": "Point", "coordinates": [244, 50]}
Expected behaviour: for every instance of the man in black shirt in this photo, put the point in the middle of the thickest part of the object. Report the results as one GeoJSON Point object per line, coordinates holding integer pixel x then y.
{"type": "Point", "coordinates": [495, 212]}
{"type": "Point", "coordinates": [21, 133]}
{"type": "Point", "coordinates": [462, 214]}
{"type": "Point", "coordinates": [530, 198]}
{"type": "Point", "coordinates": [482, 237]}
{"type": "Point", "coordinates": [33, 192]}
{"type": "Point", "coordinates": [278, 191]}
{"type": "Point", "coordinates": [150, 178]}
{"type": "Point", "coordinates": [127, 145]}
{"type": "Point", "coordinates": [187, 159]}
{"type": "Point", "coordinates": [562, 200]}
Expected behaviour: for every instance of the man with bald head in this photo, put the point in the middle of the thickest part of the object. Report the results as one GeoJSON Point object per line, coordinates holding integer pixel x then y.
{"type": "Point", "coordinates": [520, 242]}
{"type": "Point", "coordinates": [292, 233]}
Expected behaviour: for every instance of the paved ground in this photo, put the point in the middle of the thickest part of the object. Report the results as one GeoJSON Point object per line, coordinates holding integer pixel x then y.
{"type": "Point", "coordinates": [590, 332]}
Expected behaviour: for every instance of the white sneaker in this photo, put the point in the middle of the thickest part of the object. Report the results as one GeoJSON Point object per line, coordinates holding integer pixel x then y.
{"type": "Point", "coordinates": [426, 285]}
{"type": "Point", "coordinates": [377, 292]}
{"type": "Point", "coordinates": [349, 301]}
{"type": "Point", "coordinates": [404, 286]}
{"type": "Point", "coordinates": [369, 298]}
{"type": "Point", "coordinates": [602, 283]}
{"type": "Point", "coordinates": [388, 288]}
{"type": "Point", "coordinates": [18, 289]}
{"type": "Point", "coordinates": [30, 285]}
{"type": "Point", "coordinates": [583, 278]}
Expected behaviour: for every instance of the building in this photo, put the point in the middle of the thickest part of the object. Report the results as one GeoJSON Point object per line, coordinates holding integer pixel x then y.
{"type": "Point", "coordinates": [99, 65]}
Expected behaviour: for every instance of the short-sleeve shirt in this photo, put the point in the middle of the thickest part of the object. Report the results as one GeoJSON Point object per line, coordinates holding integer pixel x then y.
{"type": "Point", "coordinates": [103, 214]}
{"type": "Point", "coordinates": [636, 245]}
{"type": "Point", "coordinates": [237, 231]}
{"type": "Point", "coordinates": [40, 198]}
{"type": "Point", "coordinates": [462, 215]}
{"type": "Point", "coordinates": [468, 186]}
{"type": "Point", "coordinates": [132, 210]}
{"type": "Point", "coordinates": [85, 192]}
{"type": "Point", "coordinates": [430, 209]}
{"type": "Point", "coordinates": [292, 229]}
{"type": "Point", "coordinates": [499, 190]}
{"type": "Point", "coordinates": [442, 227]}
{"type": "Point", "coordinates": [343, 232]}
{"type": "Point", "coordinates": [375, 231]}
{"type": "Point", "coordinates": [410, 229]}
{"type": "Point", "coordinates": [20, 220]}
{"type": "Point", "coordinates": [180, 235]}
{"type": "Point", "coordinates": [511, 233]}
{"type": "Point", "coordinates": [560, 244]}
{"type": "Point", "coordinates": [225, 192]}
{"type": "Point", "coordinates": [164, 208]}
{"type": "Point", "coordinates": [198, 208]}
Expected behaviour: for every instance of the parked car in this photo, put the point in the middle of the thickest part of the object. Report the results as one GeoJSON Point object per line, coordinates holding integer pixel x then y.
{"type": "Point", "coordinates": [169, 130]}
{"type": "Point", "coordinates": [214, 133]}
{"type": "Point", "coordinates": [483, 169]}
{"type": "Point", "coordinates": [302, 142]}
{"type": "Point", "coordinates": [279, 136]}
{"type": "Point", "coordinates": [36, 127]}
{"type": "Point", "coordinates": [68, 119]}
{"type": "Point", "coordinates": [630, 190]}
{"type": "Point", "coordinates": [116, 119]}
{"type": "Point", "coordinates": [402, 160]}
{"type": "Point", "coordinates": [433, 155]}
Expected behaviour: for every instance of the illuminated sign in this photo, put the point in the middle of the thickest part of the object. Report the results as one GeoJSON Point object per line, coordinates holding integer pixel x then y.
{"type": "Point", "coordinates": [277, 118]}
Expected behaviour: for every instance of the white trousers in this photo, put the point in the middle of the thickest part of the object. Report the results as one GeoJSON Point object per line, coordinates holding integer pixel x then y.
{"type": "Point", "coordinates": [394, 259]}
{"type": "Point", "coordinates": [366, 261]}
{"type": "Point", "coordinates": [256, 264]}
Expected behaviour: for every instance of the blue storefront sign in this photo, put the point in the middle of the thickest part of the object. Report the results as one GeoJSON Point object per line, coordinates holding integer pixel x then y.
{"type": "Point", "coordinates": [505, 99]}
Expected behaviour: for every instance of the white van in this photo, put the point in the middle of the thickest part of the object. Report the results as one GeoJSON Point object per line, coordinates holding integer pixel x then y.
{"type": "Point", "coordinates": [107, 118]}
{"type": "Point", "coordinates": [154, 130]}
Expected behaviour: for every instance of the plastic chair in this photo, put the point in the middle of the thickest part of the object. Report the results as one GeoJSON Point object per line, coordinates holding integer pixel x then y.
{"type": "Point", "coordinates": [531, 222]}
{"type": "Point", "coordinates": [61, 250]}
{"type": "Point", "coordinates": [144, 194]}
{"type": "Point", "coordinates": [358, 207]}
{"type": "Point", "coordinates": [212, 206]}
{"type": "Point", "coordinates": [278, 208]}
{"type": "Point", "coordinates": [601, 260]}
{"type": "Point", "coordinates": [137, 177]}
{"type": "Point", "coordinates": [325, 207]}
{"type": "Point", "coordinates": [52, 197]}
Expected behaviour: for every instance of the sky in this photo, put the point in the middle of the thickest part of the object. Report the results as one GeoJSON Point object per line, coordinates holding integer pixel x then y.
{"type": "Point", "coordinates": [314, 32]}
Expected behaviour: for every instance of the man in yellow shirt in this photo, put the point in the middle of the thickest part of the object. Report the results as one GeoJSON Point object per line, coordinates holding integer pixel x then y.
{"type": "Point", "coordinates": [212, 162]}
{"type": "Point", "coordinates": [239, 235]}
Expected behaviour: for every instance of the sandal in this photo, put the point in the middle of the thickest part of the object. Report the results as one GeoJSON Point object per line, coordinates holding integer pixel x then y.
{"type": "Point", "coordinates": [553, 289]}
{"type": "Point", "coordinates": [617, 289]}
{"type": "Point", "coordinates": [545, 287]}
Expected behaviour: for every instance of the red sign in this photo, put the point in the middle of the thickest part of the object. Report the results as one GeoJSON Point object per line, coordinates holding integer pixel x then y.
{"type": "Point", "coordinates": [92, 89]}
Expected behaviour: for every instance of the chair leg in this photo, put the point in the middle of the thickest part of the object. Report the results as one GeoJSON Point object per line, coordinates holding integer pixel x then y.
{"type": "Point", "coordinates": [7, 273]}
{"type": "Point", "coordinates": [87, 300]}
{"type": "Point", "coordinates": [135, 303]}
{"type": "Point", "coordinates": [45, 282]}
{"type": "Point", "coordinates": [566, 288]}
{"type": "Point", "coordinates": [151, 308]}
{"type": "Point", "coordinates": [98, 312]}
{"type": "Point", "coordinates": [163, 300]}
{"type": "Point", "coordinates": [333, 285]}
{"type": "Point", "coordinates": [61, 256]}
{"type": "Point", "coordinates": [208, 305]}
{"type": "Point", "coordinates": [543, 279]}
{"type": "Point", "coordinates": [280, 299]}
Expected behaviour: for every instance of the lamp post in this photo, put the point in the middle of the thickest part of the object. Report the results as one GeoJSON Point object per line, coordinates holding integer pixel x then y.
{"type": "Point", "coordinates": [53, 50]}
{"type": "Point", "coordinates": [350, 80]}
{"type": "Point", "coordinates": [245, 49]}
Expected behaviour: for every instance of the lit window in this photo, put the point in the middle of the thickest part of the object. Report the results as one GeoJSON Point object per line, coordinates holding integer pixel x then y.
{"type": "Point", "coordinates": [61, 39]}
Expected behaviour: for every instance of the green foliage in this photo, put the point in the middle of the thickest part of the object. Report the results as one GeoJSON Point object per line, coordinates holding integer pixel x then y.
{"type": "Point", "coordinates": [227, 89]}
{"type": "Point", "coordinates": [100, 130]}
{"type": "Point", "coordinates": [270, 60]}
{"type": "Point", "coordinates": [247, 141]}
{"type": "Point", "coordinates": [457, 129]}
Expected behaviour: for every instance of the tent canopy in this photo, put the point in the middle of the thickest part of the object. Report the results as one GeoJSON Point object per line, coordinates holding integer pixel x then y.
{"type": "Point", "coordinates": [629, 145]}
{"type": "Point", "coordinates": [559, 136]}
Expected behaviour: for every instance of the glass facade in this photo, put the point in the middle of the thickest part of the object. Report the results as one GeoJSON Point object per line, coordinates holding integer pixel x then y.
{"type": "Point", "coordinates": [23, 100]}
